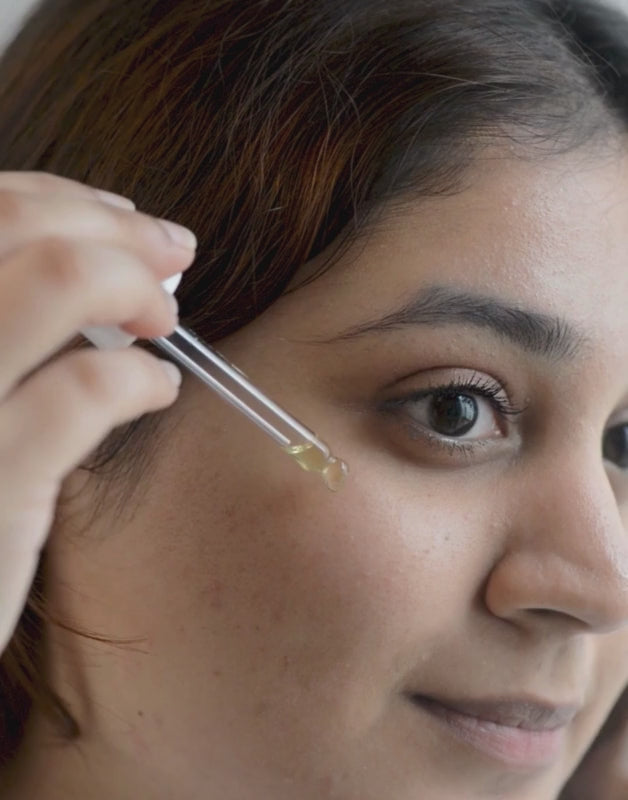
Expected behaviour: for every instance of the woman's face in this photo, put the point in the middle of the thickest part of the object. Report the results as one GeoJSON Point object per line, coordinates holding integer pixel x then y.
{"type": "Point", "coordinates": [294, 644]}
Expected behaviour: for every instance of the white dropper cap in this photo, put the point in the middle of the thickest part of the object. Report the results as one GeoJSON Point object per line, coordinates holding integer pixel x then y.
{"type": "Point", "coordinates": [112, 338]}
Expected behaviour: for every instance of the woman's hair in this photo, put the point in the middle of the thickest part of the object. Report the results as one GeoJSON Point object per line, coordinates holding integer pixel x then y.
{"type": "Point", "coordinates": [276, 128]}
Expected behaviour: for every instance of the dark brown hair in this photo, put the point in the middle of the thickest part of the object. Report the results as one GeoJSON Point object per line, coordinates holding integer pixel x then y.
{"type": "Point", "coordinates": [274, 128]}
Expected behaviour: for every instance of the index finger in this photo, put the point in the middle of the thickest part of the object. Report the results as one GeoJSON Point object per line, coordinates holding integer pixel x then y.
{"type": "Point", "coordinates": [45, 183]}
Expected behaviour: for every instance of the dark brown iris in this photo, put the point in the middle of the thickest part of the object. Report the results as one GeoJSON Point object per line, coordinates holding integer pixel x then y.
{"type": "Point", "coordinates": [453, 414]}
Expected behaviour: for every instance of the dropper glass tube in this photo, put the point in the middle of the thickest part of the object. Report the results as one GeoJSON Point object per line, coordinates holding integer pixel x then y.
{"type": "Point", "coordinates": [199, 358]}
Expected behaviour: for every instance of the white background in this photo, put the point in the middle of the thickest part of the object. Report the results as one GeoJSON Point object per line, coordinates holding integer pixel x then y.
{"type": "Point", "coordinates": [11, 14]}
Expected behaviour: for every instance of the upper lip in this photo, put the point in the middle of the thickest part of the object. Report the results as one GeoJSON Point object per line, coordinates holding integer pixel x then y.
{"type": "Point", "coordinates": [524, 713]}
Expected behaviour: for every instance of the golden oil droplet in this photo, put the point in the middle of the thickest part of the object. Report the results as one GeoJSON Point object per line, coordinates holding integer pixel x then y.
{"type": "Point", "coordinates": [311, 459]}
{"type": "Point", "coordinates": [335, 473]}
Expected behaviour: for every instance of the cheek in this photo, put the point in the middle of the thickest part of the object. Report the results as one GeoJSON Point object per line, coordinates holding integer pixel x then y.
{"type": "Point", "coordinates": [611, 666]}
{"type": "Point", "coordinates": [610, 680]}
{"type": "Point", "coordinates": [335, 583]}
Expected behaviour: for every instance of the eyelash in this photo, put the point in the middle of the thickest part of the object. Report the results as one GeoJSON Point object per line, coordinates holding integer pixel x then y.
{"type": "Point", "coordinates": [476, 386]}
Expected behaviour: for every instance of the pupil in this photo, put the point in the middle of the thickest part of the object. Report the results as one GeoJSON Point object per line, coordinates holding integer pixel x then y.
{"type": "Point", "coordinates": [616, 446]}
{"type": "Point", "coordinates": [453, 414]}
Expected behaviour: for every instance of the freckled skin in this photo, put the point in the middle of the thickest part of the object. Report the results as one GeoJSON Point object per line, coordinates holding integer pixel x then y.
{"type": "Point", "coordinates": [279, 624]}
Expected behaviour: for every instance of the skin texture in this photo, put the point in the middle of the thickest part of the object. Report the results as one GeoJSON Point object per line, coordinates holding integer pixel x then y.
{"type": "Point", "coordinates": [276, 626]}
{"type": "Point", "coordinates": [603, 773]}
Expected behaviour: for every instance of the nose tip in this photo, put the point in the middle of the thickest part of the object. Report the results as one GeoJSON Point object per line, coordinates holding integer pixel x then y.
{"type": "Point", "coordinates": [532, 590]}
{"type": "Point", "coordinates": [565, 554]}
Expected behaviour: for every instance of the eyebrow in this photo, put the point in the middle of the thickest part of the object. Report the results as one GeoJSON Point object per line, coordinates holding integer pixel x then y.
{"type": "Point", "coordinates": [540, 334]}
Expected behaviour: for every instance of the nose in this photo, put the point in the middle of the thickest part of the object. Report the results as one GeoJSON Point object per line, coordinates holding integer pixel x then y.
{"type": "Point", "coordinates": [566, 554]}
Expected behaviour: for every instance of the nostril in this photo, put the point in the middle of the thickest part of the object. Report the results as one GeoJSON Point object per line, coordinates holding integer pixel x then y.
{"type": "Point", "coordinates": [560, 617]}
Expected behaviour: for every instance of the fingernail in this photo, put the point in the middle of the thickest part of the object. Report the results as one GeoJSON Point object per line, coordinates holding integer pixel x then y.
{"type": "Point", "coordinates": [179, 235]}
{"type": "Point", "coordinates": [116, 200]}
{"type": "Point", "coordinates": [174, 373]}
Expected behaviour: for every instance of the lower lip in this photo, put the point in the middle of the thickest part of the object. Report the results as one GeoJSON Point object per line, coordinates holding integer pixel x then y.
{"type": "Point", "coordinates": [516, 747]}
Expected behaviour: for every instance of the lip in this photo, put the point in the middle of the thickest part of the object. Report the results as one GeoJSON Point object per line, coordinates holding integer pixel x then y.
{"type": "Point", "coordinates": [520, 733]}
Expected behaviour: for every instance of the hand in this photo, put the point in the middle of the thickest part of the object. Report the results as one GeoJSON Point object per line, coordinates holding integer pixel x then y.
{"type": "Point", "coordinates": [70, 257]}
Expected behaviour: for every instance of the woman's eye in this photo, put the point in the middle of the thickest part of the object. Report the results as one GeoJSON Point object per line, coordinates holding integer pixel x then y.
{"type": "Point", "coordinates": [461, 417]}
{"type": "Point", "coordinates": [615, 445]}
{"type": "Point", "coordinates": [455, 415]}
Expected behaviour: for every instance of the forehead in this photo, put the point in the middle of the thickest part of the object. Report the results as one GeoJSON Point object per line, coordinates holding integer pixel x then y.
{"type": "Point", "coordinates": [548, 234]}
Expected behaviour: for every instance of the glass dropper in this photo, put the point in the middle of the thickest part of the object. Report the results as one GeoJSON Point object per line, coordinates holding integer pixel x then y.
{"type": "Point", "coordinates": [188, 350]}
{"type": "Point", "coordinates": [313, 455]}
